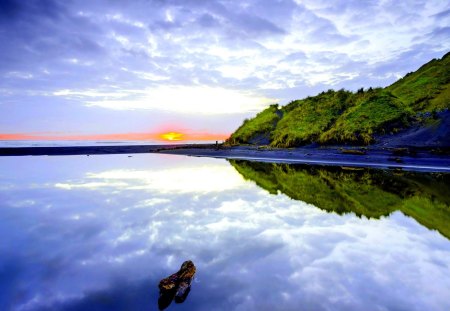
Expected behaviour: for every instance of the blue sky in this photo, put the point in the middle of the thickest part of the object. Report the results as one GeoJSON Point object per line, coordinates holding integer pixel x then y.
{"type": "Point", "coordinates": [92, 67]}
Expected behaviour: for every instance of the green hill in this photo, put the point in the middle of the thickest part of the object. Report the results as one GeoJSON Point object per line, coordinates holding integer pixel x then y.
{"type": "Point", "coordinates": [428, 88]}
{"type": "Point", "coordinates": [353, 117]}
{"type": "Point", "coordinates": [304, 120]}
{"type": "Point", "coordinates": [257, 129]}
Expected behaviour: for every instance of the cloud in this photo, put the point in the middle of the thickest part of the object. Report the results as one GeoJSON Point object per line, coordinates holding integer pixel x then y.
{"type": "Point", "coordinates": [269, 50]}
{"type": "Point", "coordinates": [176, 181]}
{"type": "Point", "coordinates": [199, 100]}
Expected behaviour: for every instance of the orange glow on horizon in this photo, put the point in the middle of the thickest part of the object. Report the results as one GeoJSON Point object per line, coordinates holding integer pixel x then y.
{"type": "Point", "coordinates": [170, 136]}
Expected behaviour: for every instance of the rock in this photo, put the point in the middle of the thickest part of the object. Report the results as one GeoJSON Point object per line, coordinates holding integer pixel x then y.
{"type": "Point", "coordinates": [394, 159]}
{"type": "Point", "coordinates": [353, 151]}
{"type": "Point", "coordinates": [177, 285]}
{"type": "Point", "coordinates": [400, 151]}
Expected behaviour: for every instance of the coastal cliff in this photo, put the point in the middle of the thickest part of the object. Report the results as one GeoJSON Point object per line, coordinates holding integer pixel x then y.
{"type": "Point", "coordinates": [413, 110]}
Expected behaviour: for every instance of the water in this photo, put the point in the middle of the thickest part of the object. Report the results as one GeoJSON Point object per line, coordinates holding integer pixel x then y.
{"type": "Point", "coordinates": [69, 143]}
{"type": "Point", "coordinates": [99, 232]}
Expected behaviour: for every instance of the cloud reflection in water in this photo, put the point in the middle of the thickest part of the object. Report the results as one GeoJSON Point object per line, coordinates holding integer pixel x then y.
{"type": "Point", "coordinates": [100, 232]}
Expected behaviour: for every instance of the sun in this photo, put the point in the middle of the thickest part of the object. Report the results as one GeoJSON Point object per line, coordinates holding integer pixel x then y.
{"type": "Point", "coordinates": [172, 136]}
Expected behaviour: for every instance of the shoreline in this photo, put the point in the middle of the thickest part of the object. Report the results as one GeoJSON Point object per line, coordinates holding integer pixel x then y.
{"type": "Point", "coordinates": [411, 159]}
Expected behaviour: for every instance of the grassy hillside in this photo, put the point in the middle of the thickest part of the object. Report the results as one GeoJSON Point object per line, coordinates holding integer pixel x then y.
{"type": "Point", "coordinates": [352, 117]}
{"type": "Point", "coordinates": [427, 89]}
{"type": "Point", "coordinates": [377, 111]}
{"type": "Point", "coordinates": [304, 120]}
{"type": "Point", "coordinates": [368, 193]}
{"type": "Point", "coordinates": [257, 129]}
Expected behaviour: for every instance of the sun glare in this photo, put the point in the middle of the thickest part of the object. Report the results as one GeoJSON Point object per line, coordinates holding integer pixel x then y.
{"type": "Point", "coordinates": [172, 136]}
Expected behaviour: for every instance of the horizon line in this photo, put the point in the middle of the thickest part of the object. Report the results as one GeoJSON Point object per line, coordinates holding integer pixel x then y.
{"type": "Point", "coordinates": [159, 136]}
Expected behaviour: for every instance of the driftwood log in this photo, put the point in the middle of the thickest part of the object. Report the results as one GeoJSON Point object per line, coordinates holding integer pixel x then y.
{"type": "Point", "coordinates": [176, 286]}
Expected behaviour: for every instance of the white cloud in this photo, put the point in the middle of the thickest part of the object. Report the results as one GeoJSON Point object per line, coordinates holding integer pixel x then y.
{"type": "Point", "coordinates": [194, 100]}
{"type": "Point", "coordinates": [213, 57]}
{"type": "Point", "coordinates": [201, 179]}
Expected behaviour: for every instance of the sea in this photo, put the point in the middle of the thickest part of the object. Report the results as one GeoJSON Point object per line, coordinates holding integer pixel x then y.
{"type": "Point", "coordinates": [69, 143]}
{"type": "Point", "coordinates": [100, 232]}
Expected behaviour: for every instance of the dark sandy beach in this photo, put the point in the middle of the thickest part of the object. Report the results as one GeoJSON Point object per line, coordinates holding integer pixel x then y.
{"type": "Point", "coordinates": [385, 158]}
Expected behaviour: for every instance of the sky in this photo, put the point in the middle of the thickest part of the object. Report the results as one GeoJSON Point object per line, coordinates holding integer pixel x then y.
{"type": "Point", "coordinates": [107, 67]}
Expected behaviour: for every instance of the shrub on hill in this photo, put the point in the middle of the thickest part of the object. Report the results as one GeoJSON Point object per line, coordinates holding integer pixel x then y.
{"type": "Point", "coordinates": [378, 112]}
{"type": "Point", "coordinates": [306, 119]}
{"type": "Point", "coordinates": [263, 124]}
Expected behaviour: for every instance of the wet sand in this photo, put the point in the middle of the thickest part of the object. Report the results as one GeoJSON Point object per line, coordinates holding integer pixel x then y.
{"type": "Point", "coordinates": [394, 158]}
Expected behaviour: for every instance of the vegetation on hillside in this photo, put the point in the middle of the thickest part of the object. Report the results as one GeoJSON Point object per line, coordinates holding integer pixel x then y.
{"type": "Point", "coordinates": [369, 193]}
{"type": "Point", "coordinates": [352, 117]}
{"type": "Point", "coordinates": [376, 111]}
{"type": "Point", "coordinates": [258, 128]}
{"type": "Point", "coordinates": [426, 89]}
{"type": "Point", "coordinates": [304, 120]}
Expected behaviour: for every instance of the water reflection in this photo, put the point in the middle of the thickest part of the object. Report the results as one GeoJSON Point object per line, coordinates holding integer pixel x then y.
{"type": "Point", "coordinates": [364, 192]}
{"type": "Point", "coordinates": [100, 232]}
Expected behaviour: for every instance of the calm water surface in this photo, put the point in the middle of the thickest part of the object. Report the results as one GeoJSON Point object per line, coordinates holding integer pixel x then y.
{"type": "Point", "coordinates": [99, 232]}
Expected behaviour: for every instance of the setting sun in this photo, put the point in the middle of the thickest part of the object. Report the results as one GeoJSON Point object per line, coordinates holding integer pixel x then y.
{"type": "Point", "coordinates": [172, 136]}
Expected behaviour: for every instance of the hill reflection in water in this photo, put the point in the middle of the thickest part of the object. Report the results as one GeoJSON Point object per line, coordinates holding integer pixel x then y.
{"type": "Point", "coordinates": [364, 192]}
